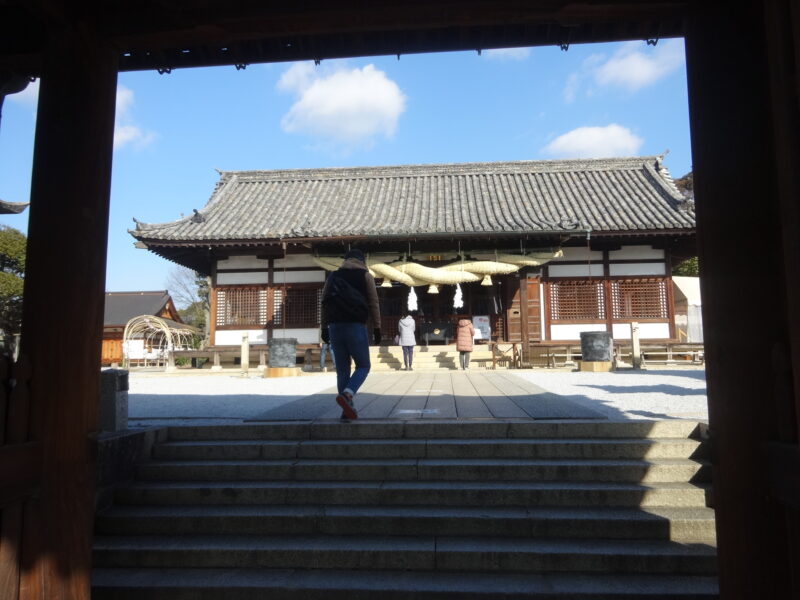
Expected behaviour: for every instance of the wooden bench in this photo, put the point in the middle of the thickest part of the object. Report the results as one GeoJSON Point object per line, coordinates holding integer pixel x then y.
{"type": "Point", "coordinates": [217, 353]}
{"type": "Point", "coordinates": [666, 352]}
{"type": "Point", "coordinates": [552, 355]}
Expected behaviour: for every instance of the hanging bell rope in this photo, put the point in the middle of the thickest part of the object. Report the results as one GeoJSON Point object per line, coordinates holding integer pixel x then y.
{"type": "Point", "coordinates": [413, 274]}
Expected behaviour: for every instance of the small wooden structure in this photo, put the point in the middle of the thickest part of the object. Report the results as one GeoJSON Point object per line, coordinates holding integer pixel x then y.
{"type": "Point", "coordinates": [121, 307]}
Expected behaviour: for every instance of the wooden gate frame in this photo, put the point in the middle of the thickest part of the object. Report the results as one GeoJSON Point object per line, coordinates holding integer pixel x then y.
{"type": "Point", "coordinates": [742, 65]}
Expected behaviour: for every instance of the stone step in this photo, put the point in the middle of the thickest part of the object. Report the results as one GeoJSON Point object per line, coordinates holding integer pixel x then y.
{"type": "Point", "coordinates": [508, 469]}
{"type": "Point", "coordinates": [429, 448]}
{"type": "Point", "coordinates": [493, 554]}
{"type": "Point", "coordinates": [257, 584]}
{"type": "Point", "coordinates": [443, 428]}
{"type": "Point", "coordinates": [415, 493]}
{"type": "Point", "coordinates": [676, 524]}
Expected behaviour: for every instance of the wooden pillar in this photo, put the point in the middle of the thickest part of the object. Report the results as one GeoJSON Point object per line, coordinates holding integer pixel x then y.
{"type": "Point", "coordinates": [742, 250]}
{"type": "Point", "coordinates": [63, 307]}
{"type": "Point", "coordinates": [524, 331]}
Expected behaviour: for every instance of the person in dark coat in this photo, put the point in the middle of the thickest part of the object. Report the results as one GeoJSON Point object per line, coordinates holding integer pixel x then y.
{"type": "Point", "coordinates": [464, 341]}
{"type": "Point", "coordinates": [344, 325]}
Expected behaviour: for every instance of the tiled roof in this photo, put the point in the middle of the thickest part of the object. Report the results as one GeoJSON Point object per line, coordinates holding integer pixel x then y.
{"type": "Point", "coordinates": [12, 208]}
{"type": "Point", "coordinates": [614, 195]}
{"type": "Point", "coordinates": [121, 307]}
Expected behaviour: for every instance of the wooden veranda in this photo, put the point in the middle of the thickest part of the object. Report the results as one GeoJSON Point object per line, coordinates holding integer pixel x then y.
{"type": "Point", "coordinates": [742, 59]}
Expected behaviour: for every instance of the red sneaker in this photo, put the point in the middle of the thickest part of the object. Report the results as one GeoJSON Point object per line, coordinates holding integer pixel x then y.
{"type": "Point", "coordinates": [345, 400]}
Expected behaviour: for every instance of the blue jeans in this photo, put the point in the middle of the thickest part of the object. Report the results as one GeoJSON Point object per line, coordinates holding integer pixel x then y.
{"type": "Point", "coordinates": [408, 354]}
{"type": "Point", "coordinates": [350, 340]}
{"type": "Point", "coordinates": [326, 348]}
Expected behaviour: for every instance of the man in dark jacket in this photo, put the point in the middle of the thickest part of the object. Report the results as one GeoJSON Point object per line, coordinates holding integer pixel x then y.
{"type": "Point", "coordinates": [349, 300]}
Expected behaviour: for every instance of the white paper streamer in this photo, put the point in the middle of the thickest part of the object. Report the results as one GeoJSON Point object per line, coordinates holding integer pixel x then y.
{"type": "Point", "coordinates": [412, 300]}
{"type": "Point", "coordinates": [458, 298]}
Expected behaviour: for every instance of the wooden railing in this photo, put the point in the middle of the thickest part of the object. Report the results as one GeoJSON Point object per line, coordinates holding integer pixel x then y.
{"type": "Point", "coordinates": [553, 354]}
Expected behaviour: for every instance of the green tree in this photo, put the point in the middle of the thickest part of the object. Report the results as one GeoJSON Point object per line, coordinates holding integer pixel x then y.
{"type": "Point", "coordinates": [686, 184]}
{"type": "Point", "coordinates": [12, 273]}
{"type": "Point", "coordinates": [687, 268]}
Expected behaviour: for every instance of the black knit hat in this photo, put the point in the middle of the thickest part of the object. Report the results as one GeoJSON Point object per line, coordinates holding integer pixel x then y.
{"type": "Point", "coordinates": [355, 253]}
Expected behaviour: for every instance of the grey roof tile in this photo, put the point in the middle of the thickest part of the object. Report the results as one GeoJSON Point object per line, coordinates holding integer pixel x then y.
{"type": "Point", "coordinates": [121, 307]}
{"type": "Point", "coordinates": [615, 195]}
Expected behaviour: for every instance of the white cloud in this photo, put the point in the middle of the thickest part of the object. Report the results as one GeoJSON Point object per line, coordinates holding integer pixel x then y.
{"type": "Point", "coordinates": [632, 69]}
{"type": "Point", "coordinates": [297, 78]}
{"type": "Point", "coordinates": [349, 107]}
{"type": "Point", "coordinates": [126, 130]}
{"type": "Point", "coordinates": [595, 142]}
{"type": "Point", "coordinates": [508, 53]}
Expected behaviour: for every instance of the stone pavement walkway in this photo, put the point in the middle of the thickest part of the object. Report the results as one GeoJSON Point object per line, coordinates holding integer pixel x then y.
{"type": "Point", "coordinates": [443, 395]}
{"type": "Point", "coordinates": [192, 399]}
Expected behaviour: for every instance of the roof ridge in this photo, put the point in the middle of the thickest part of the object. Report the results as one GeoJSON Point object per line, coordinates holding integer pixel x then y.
{"type": "Point", "coordinates": [449, 168]}
{"type": "Point", "coordinates": [162, 292]}
{"type": "Point", "coordinates": [509, 196]}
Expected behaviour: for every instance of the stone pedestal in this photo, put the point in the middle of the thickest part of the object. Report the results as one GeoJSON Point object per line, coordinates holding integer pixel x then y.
{"type": "Point", "coordinates": [596, 345]}
{"type": "Point", "coordinates": [282, 371]}
{"type": "Point", "coordinates": [596, 366]}
{"type": "Point", "coordinates": [597, 351]}
{"type": "Point", "coordinates": [112, 409]}
{"type": "Point", "coordinates": [282, 352]}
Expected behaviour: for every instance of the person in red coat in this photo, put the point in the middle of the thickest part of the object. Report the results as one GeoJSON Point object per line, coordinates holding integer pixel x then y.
{"type": "Point", "coordinates": [464, 337]}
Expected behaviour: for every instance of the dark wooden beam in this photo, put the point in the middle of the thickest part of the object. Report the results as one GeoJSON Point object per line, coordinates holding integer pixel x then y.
{"type": "Point", "coordinates": [160, 34]}
{"type": "Point", "coordinates": [63, 308]}
{"type": "Point", "coordinates": [735, 180]}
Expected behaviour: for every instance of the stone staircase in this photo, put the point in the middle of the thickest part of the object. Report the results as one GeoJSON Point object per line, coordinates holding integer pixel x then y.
{"type": "Point", "coordinates": [429, 358]}
{"type": "Point", "coordinates": [414, 509]}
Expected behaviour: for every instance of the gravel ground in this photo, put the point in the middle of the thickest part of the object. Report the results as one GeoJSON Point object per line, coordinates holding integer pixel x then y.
{"type": "Point", "coordinates": [664, 393]}
{"type": "Point", "coordinates": [227, 398]}
{"type": "Point", "coordinates": [155, 399]}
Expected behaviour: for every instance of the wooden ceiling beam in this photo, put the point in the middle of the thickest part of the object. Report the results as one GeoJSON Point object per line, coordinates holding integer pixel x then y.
{"type": "Point", "coordinates": [170, 34]}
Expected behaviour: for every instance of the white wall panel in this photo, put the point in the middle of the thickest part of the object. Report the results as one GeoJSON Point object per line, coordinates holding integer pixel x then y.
{"type": "Point", "coordinates": [575, 270]}
{"type": "Point", "coordinates": [647, 331]}
{"type": "Point", "coordinates": [243, 262]}
{"type": "Point", "coordinates": [299, 276]}
{"type": "Point", "coordinates": [233, 337]}
{"type": "Point", "coordinates": [242, 278]}
{"type": "Point", "coordinates": [572, 332]}
{"type": "Point", "coordinates": [637, 269]}
{"type": "Point", "coordinates": [294, 260]}
{"type": "Point", "coordinates": [303, 336]}
{"type": "Point", "coordinates": [578, 253]}
{"type": "Point", "coordinates": [636, 252]}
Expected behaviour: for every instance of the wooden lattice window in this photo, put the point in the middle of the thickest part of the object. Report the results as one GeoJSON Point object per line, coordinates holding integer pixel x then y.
{"type": "Point", "coordinates": [577, 300]}
{"type": "Point", "coordinates": [303, 307]}
{"type": "Point", "coordinates": [639, 299]}
{"type": "Point", "coordinates": [299, 307]}
{"type": "Point", "coordinates": [241, 306]}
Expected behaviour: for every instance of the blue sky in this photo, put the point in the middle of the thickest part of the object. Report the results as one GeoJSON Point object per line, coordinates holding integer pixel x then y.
{"type": "Point", "coordinates": [174, 130]}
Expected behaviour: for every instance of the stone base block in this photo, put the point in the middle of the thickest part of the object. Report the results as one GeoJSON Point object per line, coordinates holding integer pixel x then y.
{"type": "Point", "coordinates": [596, 366]}
{"type": "Point", "coordinates": [282, 371]}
